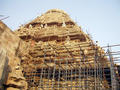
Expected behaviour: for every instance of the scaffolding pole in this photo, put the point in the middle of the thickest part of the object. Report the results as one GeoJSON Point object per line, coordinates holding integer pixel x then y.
{"type": "Point", "coordinates": [112, 70]}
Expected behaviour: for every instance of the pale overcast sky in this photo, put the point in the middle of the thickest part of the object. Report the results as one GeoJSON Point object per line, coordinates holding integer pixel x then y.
{"type": "Point", "coordinates": [101, 18]}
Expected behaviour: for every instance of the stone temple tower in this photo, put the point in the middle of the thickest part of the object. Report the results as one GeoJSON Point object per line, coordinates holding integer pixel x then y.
{"type": "Point", "coordinates": [60, 56]}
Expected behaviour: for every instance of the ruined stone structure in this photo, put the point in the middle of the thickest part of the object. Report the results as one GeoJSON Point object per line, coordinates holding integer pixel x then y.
{"type": "Point", "coordinates": [58, 51]}
{"type": "Point", "coordinates": [53, 53]}
{"type": "Point", "coordinates": [9, 61]}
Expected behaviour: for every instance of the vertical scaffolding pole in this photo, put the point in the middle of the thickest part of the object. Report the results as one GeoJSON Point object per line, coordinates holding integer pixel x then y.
{"type": "Point", "coordinates": [95, 72]}
{"type": "Point", "coordinates": [113, 79]}
{"type": "Point", "coordinates": [80, 68]}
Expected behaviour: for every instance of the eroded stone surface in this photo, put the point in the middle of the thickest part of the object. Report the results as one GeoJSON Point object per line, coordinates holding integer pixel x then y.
{"type": "Point", "coordinates": [10, 43]}
{"type": "Point", "coordinates": [52, 38]}
{"type": "Point", "coordinates": [49, 36]}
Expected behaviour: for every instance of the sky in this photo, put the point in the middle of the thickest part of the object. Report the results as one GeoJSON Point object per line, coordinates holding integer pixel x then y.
{"type": "Point", "coordinates": [99, 18]}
